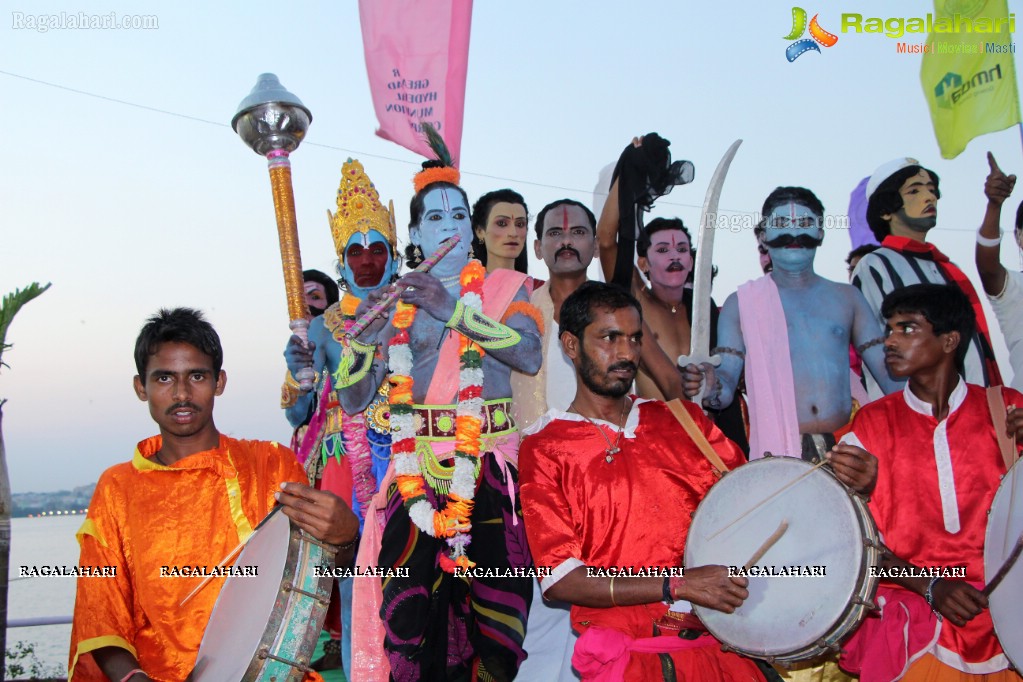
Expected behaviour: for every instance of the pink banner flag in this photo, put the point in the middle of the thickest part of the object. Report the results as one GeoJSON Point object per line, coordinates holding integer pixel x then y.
{"type": "Point", "coordinates": [417, 56]}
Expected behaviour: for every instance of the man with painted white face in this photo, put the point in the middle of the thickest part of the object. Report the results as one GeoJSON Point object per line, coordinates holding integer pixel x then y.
{"type": "Point", "coordinates": [566, 242]}
{"type": "Point", "coordinates": [665, 259]}
{"type": "Point", "coordinates": [453, 520]}
{"type": "Point", "coordinates": [902, 208]}
{"type": "Point", "coordinates": [790, 331]}
{"type": "Point", "coordinates": [345, 453]}
{"type": "Point", "coordinates": [1004, 287]}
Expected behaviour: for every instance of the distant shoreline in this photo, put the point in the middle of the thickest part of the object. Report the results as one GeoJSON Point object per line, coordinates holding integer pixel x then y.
{"type": "Point", "coordinates": [59, 503]}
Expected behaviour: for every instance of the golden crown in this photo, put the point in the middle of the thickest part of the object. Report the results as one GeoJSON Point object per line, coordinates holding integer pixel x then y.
{"type": "Point", "coordinates": [359, 209]}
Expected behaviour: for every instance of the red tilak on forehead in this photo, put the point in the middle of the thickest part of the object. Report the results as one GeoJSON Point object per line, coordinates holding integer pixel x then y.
{"type": "Point", "coordinates": [564, 218]}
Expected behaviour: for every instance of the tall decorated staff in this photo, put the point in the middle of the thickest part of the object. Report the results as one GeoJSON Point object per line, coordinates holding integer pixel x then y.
{"type": "Point", "coordinates": [346, 453]}
{"type": "Point", "coordinates": [273, 122]}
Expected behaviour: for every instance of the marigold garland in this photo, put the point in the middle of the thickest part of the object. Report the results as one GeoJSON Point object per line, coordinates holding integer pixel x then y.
{"type": "Point", "coordinates": [453, 522]}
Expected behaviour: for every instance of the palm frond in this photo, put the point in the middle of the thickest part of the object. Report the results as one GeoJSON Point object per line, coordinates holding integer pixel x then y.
{"type": "Point", "coordinates": [10, 306]}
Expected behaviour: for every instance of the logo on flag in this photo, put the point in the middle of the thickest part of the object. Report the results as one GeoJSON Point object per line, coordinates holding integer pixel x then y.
{"type": "Point", "coordinates": [818, 36]}
{"type": "Point", "coordinates": [969, 91]}
{"type": "Point", "coordinates": [952, 89]}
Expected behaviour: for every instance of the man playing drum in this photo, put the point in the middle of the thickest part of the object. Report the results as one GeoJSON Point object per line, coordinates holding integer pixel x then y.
{"type": "Point", "coordinates": [609, 486]}
{"type": "Point", "coordinates": [187, 498]}
{"type": "Point", "coordinates": [939, 463]}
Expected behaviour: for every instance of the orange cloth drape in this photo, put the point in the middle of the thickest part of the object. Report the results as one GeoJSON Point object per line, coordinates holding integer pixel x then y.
{"type": "Point", "coordinates": [145, 516]}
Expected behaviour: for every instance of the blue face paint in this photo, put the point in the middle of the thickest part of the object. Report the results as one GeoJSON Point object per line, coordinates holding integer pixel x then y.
{"type": "Point", "coordinates": [445, 214]}
{"type": "Point", "coordinates": [789, 221]}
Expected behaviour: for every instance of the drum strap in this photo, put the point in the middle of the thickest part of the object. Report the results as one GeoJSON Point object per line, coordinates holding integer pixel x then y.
{"type": "Point", "coordinates": [687, 422]}
{"type": "Point", "coordinates": [996, 404]}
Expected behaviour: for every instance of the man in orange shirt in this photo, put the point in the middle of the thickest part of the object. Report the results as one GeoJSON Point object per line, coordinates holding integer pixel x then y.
{"type": "Point", "coordinates": [186, 499]}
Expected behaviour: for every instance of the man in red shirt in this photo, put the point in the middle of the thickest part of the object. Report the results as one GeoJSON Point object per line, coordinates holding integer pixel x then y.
{"type": "Point", "coordinates": [939, 465]}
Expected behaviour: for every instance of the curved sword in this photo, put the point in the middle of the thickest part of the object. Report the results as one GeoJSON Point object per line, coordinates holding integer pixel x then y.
{"type": "Point", "coordinates": [699, 345]}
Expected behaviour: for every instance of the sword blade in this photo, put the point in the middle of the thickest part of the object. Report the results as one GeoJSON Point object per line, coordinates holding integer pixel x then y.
{"type": "Point", "coordinates": [700, 344]}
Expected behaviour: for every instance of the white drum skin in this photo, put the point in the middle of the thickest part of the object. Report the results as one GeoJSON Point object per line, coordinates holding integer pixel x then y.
{"type": "Point", "coordinates": [266, 627]}
{"type": "Point", "coordinates": [830, 536]}
{"type": "Point", "coordinates": [1004, 525]}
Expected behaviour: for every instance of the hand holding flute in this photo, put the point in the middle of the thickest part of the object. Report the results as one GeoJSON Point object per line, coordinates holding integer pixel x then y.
{"type": "Point", "coordinates": [416, 288]}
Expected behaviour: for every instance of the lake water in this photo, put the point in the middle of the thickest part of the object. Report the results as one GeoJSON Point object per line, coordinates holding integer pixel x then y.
{"type": "Point", "coordinates": [46, 541]}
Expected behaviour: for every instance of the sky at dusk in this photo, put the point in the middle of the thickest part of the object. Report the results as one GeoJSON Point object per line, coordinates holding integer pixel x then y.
{"type": "Point", "coordinates": [125, 186]}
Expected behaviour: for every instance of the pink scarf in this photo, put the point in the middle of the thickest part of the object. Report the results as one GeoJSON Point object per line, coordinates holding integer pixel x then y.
{"type": "Point", "coordinates": [774, 423]}
{"type": "Point", "coordinates": [883, 648]}
{"type": "Point", "coordinates": [602, 654]}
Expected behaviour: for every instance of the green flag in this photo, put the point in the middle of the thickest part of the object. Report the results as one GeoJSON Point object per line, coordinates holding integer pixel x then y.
{"type": "Point", "coordinates": [968, 72]}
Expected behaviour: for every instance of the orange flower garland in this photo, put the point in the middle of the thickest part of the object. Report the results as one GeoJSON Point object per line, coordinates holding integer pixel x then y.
{"type": "Point", "coordinates": [453, 522]}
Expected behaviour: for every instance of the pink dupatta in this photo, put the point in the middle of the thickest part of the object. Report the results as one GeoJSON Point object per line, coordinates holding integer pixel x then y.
{"type": "Point", "coordinates": [774, 422]}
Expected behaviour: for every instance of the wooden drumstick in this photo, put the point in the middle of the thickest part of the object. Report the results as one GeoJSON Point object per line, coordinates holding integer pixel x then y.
{"type": "Point", "coordinates": [768, 544]}
{"type": "Point", "coordinates": [1007, 565]}
{"type": "Point", "coordinates": [770, 497]}
{"type": "Point", "coordinates": [223, 562]}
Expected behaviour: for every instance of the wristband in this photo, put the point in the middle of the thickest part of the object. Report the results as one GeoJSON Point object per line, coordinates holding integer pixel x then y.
{"type": "Point", "coordinates": [490, 335]}
{"type": "Point", "coordinates": [929, 596]}
{"type": "Point", "coordinates": [666, 591]}
{"type": "Point", "coordinates": [132, 673]}
{"type": "Point", "coordinates": [456, 315]}
{"type": "Point", "coordinates": [350, 544]}
{"type": "Point", "coordinates": [675, 585]}
{"type": "Point", "coordinates": [989, 241]}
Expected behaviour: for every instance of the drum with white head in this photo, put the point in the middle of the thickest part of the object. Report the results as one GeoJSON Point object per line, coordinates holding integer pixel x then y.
{"type": "Point", "coordinates": [265, 627]}
{"type": "Point", "coordinates": [813, 586]}
{"type": "Point", "coordinates": [1004, 526]}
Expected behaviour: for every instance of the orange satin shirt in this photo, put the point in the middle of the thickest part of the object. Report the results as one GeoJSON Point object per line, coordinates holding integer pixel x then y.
{"type": "Point", "coordinates": [145, 516]}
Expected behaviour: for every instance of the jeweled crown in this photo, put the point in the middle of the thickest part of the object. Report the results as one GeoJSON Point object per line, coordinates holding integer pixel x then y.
{"type": "Point", "coordinates": [359, 209]}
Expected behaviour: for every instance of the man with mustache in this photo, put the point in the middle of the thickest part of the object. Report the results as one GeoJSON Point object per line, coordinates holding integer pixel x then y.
{"type": "Point", "coordinates": [942, 446]}
{"type": "Point", "coordinates": [665, 258]}
{"type": "Point", "coordinates": [565, 241]}
{"type": "Point", "coordinates": [902, 208]}
{"type": "Point", "coordinates": [187, 498]}
{"type": "Point", "coordinates": [607, 486]}
{"type": "Point", "coordinates": [790, 331]}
